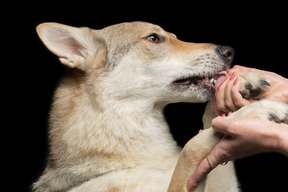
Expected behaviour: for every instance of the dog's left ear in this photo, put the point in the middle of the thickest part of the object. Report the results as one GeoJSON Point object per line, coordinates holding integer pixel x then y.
{"type": "Point", "coordinates": [72, 45]}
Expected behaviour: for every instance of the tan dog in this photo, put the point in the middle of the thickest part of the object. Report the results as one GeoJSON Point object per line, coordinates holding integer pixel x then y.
{"type": "Point", "coordinates": [107, 129]}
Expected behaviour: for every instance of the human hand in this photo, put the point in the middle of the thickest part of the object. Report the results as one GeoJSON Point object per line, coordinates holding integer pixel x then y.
{"type": "Point", "coordinates": [229, 99]}
{"type": "Point", "coordinates": [243, 137]}
{"type": "Point", "coordinates": [279, 85]}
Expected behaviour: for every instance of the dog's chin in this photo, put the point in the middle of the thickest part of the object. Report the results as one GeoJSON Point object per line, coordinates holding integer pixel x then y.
{"type": "Point", "coordinates": [190, 93]}
{"type": "Point", "coordinates": [199, 94]}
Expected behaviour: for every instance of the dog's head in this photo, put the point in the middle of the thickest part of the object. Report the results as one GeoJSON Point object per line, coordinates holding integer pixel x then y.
{"type": "Point", "coordinates": [140, 60]}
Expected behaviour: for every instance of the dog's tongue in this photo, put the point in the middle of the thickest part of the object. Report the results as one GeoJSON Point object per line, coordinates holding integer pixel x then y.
{"type": "Point", "coordinates": [220, 78]}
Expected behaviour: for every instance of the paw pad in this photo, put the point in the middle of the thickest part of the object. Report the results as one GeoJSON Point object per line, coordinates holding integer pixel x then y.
{"type": "Point", "coordinates": [253, 84]}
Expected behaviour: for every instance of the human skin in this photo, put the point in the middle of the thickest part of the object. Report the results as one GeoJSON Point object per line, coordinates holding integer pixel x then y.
{"type": "Point", "coordinates": [243, 137]}
{"type": "Point", "coordinates": [229, 99]}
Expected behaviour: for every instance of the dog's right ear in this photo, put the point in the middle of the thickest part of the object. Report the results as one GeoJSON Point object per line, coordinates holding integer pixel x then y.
{"type": "Point", "coordinates": [74, 46]}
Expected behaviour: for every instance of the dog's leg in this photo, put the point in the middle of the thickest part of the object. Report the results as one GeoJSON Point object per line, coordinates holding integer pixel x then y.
{"type": "Point", "coordinates": [253, 85]}
{"type": "Point", "coordinates": [222, 178]}
{"type": "Point", "coordinates": [208, 115]}
{"type": "Point", "coordinates": [199, 147]}
{"type": "Point", "coordinates": [193, 152]}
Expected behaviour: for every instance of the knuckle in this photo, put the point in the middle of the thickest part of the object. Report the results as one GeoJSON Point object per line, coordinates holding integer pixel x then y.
{"type": "Point", "coordinates": [222, 108]}
{"type": "Point", "coordinates": [238, 103]}
{"type": "Point", "coordinates": [219, 105]}
{"type": "Point", "coordinates": [230, 107]}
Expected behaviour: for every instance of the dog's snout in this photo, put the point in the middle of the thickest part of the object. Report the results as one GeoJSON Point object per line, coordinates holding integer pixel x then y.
{"type": "Point", "coordinates": [226, 53]}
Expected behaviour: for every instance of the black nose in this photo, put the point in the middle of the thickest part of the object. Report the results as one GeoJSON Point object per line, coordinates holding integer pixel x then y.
{"type": "Point", "coordinates": [226, 53]}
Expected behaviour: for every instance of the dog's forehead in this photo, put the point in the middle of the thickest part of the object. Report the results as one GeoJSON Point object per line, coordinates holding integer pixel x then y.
{"type": "Point", "coordinates": [143, 26]}
{"type": "Point", "coordinates": [133, 28]}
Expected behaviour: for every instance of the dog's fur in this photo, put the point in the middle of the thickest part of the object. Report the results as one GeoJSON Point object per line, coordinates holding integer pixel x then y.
{"type": "Point", "coordinates": [107, 129]}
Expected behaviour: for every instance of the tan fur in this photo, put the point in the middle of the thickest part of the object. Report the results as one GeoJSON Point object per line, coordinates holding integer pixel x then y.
{"type": "Point", "coordinates": [107, 129]}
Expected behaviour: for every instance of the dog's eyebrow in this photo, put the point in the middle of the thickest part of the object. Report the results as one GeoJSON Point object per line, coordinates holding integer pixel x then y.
{"type": "Point", "coordinates": [156, 27]}
{"type": "Point", "coordinates": [172, 35]}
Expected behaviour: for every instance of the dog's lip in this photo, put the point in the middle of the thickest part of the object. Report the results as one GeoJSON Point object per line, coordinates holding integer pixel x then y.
{"type": "Point", "coordinates": [211, 81]}
{"type": "Point", "coordinates": [215, 81]}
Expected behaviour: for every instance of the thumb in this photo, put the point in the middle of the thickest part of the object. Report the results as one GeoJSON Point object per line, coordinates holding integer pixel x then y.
{"type": "Point", "coordinates": [221, 124]}
{"type": "Point", "coordinates": [216, 157]}
{"type": "Point", "coordinates": [200, 173]}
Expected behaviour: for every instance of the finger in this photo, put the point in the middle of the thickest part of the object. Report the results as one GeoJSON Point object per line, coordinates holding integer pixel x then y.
{"type": "Point", "coordinates": [219, 100]}
{"type": "Point", "coordinates": [200, 173]}
{"type": "Point", "coordinates": [221, 124]}
{"type": "Point", "coordinates": [224, 101]}
{"type": "Point", "coordinates": [215, 107]}
{"type": "Point", "coordinates": [269, 75]}
{"type": "Point", "coordinates": [237, 98]}
{"type": "Point", "coordinates": [216, 156]}
{"type": "Point", "coordinates": [237, 68]}
{"type": "Point", "coordinates": [229, 102]}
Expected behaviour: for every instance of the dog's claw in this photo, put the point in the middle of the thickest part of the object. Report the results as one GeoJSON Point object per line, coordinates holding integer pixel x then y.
{"type": "Point", "coordinates": [274, 117]}
{"type": "Point", "coordinates": [264, 83]}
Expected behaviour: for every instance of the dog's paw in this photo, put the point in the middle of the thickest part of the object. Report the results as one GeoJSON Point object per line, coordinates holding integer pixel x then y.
{"type": "Point", "coordinates": [253, 84]}
{"type": "Point", "coordinates": [265, 109]}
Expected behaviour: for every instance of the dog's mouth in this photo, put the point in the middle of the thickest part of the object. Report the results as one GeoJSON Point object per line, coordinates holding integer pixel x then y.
{"type": "Point", "coordinates": [209, 81]}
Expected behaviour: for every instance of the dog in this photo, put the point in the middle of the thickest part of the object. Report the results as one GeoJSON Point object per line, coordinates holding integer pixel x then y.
{"type": "Point", "coordinates": [107, 129]}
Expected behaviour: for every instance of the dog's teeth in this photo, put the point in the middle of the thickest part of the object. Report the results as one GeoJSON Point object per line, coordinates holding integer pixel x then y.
{"type": "Point", "coordinates": [213, 81]}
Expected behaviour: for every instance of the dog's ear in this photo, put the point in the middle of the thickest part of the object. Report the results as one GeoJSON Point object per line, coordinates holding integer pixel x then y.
{"type": "Point", "coordinates": [72, 45]}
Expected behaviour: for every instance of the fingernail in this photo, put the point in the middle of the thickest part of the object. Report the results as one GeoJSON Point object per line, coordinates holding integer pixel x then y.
{"type": "Point", "coordinates": [236, 81]}
{"type": "Point", "coordinates": [191, 189]}
{"type": "Point", "coordinates": [232, 76]}
{"type": "Point", "coordinates": [230, 71]}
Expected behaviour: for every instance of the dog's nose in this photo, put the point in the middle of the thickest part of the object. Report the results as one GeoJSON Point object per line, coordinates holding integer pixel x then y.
{"type": "Point", "coordinates": [226, 53]}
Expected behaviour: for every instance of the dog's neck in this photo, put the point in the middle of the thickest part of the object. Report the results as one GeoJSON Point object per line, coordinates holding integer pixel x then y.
{"type": "Point", "coordinates": [131, 124]}
{"type": "Point", "coordinates": [109, 134]}
{"type": "Point", "coordinates": [102, 124]}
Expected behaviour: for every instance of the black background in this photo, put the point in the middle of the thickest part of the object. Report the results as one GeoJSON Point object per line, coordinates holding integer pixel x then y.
{"type": "Point", "coordinates": [30, 73]}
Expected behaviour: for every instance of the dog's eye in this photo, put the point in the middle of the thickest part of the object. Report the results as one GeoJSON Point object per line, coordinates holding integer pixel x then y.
{"type": "Point", "coordinates": [153, 38]}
